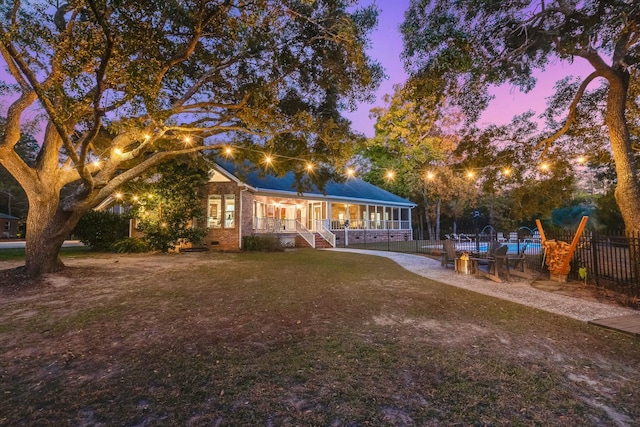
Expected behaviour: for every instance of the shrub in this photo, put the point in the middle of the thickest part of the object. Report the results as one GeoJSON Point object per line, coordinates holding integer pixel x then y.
{"type": "Point", "coordinates": [262, 243]}
{"type": "Point", "coordinates": [100, 230]}
{"type": "Point", "coordinates": [130, 245]}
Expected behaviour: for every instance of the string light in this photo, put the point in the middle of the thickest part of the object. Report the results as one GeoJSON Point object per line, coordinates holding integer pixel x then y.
{"type": "Point", "coordinates": [390, 174]}
{"type": "Point", "coordinates": [187, 140]}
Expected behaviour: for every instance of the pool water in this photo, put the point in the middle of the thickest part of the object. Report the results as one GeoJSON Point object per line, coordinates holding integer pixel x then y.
{"type": "Point", "coordinates": [512, 247]}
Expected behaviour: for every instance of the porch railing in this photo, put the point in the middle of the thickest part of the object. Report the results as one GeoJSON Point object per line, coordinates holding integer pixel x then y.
{"type": "Point", "coordinates": [274, 225]}
{"type": "Point", "coordinates": [365, 224]}
{"type": "Point", "coordinates": [306, 234]}
{"type": "Point", "coordinates": [326, 234]}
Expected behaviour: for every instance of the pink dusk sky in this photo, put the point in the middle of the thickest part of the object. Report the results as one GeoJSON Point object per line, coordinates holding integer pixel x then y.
{"type": "Point", "coordinates": [387, 46]}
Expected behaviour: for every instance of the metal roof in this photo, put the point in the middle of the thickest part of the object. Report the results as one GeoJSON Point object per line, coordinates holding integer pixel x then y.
{"type": "Point", "coordinates": [352, 189]}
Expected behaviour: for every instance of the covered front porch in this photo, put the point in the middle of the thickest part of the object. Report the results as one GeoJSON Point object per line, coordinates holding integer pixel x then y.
{"type": "Point", "coordinates": [286, 215]}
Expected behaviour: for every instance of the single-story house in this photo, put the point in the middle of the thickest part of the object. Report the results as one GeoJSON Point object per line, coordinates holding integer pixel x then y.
{"type": "Point", "coordinates": [8, 226]}
{"type": "Point", "coordinates": [242, 201]}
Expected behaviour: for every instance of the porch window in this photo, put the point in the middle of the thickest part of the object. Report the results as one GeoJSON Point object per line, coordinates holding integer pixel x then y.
{"type": "Point", "coordinates": [338, 215]}
{"type": "Point", "coordinates": [375, 213]}
{"type": "Point", "coordinates": [229, 211]}
{"type": "Point", "coordinates": [404, 217]}
{"type": "Point", "coordinates": [214, 211]}
{"type": "Point", "coordinates": [353, 216]}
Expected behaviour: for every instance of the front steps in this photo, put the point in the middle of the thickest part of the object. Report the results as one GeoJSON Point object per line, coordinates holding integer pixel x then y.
{"type": "Point", "coordinates": [320, 242]}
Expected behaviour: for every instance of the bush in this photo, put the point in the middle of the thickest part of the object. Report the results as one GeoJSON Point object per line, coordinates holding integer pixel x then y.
{"type": "Point", "coordinates": [262, 243]}
{"type": "Point", "coordinates": [130, 245]}
{"type": "Point", "coordinates": [100, 230]}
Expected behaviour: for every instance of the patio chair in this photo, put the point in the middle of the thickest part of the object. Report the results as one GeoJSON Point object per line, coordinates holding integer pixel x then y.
{"type": "Point", "coordinates": [448, 254]}
{"type": "Point", "coordinates": [517, 263]}
{"type": "Point", "coordinates": [501, 262]}
{"type": "Point", "coordinates": [491, 250]}
{"type": "Point", "coordinates": [496, 265]}
{"type": "Point", "coordinates": [493, 247]}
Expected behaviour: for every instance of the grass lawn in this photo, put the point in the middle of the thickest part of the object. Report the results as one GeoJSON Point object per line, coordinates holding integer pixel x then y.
{"type": "Point", "coordinates": [300, 338]}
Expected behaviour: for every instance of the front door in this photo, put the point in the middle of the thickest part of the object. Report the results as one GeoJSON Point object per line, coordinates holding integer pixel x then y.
{"type": "Point", "coordinates": [317, 216]}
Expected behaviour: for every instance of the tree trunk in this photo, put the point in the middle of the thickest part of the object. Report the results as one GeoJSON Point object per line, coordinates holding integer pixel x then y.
{"type": "Point", "coordinates": [628, 188]}
{"type": "Point", "coordinates": [47, 228]}
{"type": "Point", "coordinates": [427, 220]}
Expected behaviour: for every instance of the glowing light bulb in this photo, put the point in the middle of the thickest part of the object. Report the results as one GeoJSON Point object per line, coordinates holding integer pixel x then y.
{"type": "Point", "coordinates": [506, 171]}
{"type": "Point", "coordinates": [228, 151]}
{"type": "Point", "coordinates": [187, 140]}
{"type": "Point", "coordinates": [118, 151]}
{"type": "Point", "coordinates": [390, 175]}
{"type": "Point", "coordinates": [470, 174]}
{"type": "Point", "coordinates": [309, 167]}
{"type": "Point", "coordinates": [544, 166]}
{"type": "Point", "coordinates": [351, 172]}
{"type": "Point", "coordinates": [430, 176]}
{"type": "Point", "coordinates": [118, 195]}
{"type": "Point", "coordinates": [268, 159]}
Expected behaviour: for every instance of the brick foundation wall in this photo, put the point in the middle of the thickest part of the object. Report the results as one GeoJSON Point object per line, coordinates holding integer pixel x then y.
{"type": "Point", "coordinates": [372, 236]}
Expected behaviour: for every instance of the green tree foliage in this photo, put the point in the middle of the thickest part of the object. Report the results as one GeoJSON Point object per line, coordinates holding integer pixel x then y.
{"type": "Point", "coordinates": [458, 50]}
{"type": "Point", "coordinates": [167, 203]}
{"type": "Point", "coordinates": [412, 154]}
{"type": "Point", "coordinates": [607, 214]}
{"type": "Point", "coordinates": [126, 85]}
{"type": "Point", "coordinates": [568, 217]}
{"type": "Point", "coordinates": [100, 230]}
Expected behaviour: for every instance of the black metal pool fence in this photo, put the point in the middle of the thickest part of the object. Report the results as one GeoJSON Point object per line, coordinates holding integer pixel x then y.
{"type": "Point", "coordinates": [610, 260]}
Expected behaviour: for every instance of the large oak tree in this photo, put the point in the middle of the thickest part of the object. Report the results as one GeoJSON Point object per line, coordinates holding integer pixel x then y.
{"type": "Point", "coordinates": [460, 48]}
{"type": "Point", "coordinates": [416, 144]}
{"type": "Point", "coordinates": [125, 85]}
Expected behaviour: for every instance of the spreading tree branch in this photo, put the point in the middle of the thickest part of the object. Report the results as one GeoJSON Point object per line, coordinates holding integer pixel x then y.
{"type": "Point", "coordinates": [571, 118]}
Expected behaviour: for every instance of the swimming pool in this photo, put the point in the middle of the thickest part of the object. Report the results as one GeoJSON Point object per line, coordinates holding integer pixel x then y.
{"type": "Point", "coordinates": [513, 247]}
